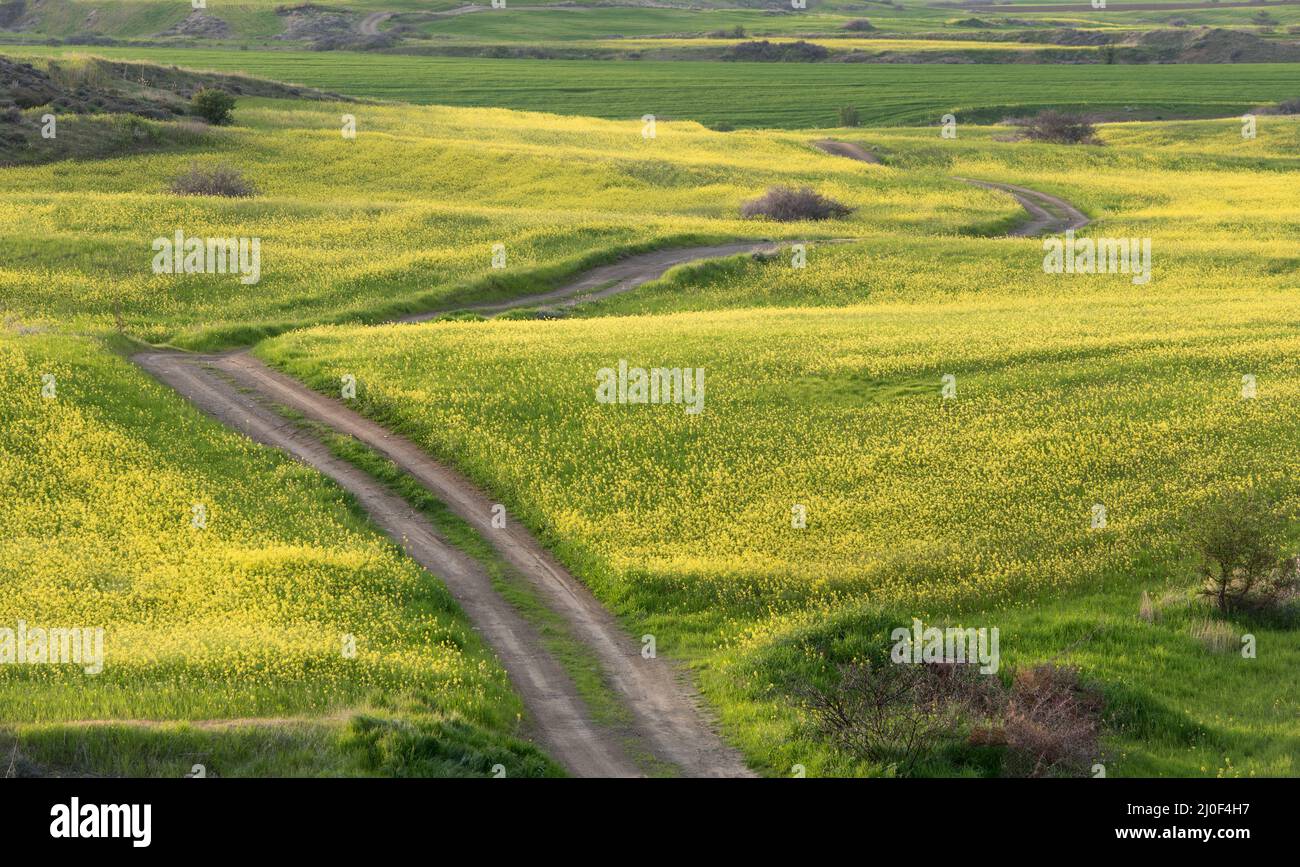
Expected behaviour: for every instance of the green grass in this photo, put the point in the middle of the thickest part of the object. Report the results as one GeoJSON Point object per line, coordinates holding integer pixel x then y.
{"type": "Point", "coordinates": [344, 237]}
{"type": "Point", "coordinates": [976, 516]}
{"type": "Point", "coordinates": [534, 25]}
{"type": "Point", "coordinates": [752, 95]}
{"type": "Point", "coordinates": [256, 22]}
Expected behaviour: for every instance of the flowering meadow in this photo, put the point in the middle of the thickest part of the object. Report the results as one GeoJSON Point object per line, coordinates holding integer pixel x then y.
{"type": "Point", "coordinates": [405, 215]}
{"type": "Point", "coordinates": [232, 583]}
{"type": "Point", "coordinates": [824, 389]}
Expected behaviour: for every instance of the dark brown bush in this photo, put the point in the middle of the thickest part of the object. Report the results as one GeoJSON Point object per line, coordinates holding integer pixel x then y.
{"type": "Point", "coordinates": [774, 52]}
{"type": "Point", "coordinates": [787, 204]}
{"type": "Point", "coordinates": [219, 180]}
{"type": "Point", "coordinates": [1053, 723]}
{"type": "Point", "coordinates": [899, 712]}
{"type": "Point", "coordinates": [1059, 128]}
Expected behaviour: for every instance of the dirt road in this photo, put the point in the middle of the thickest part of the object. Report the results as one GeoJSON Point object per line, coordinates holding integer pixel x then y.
{"type": "Point", "coordinates": [845, 149]}
{"type": "Point", "coordinates": [560, 719]}
{"type": "Point", "coordinates": [605, 280]}
{"type": "Point", "coordinates": [370, 24]}
{"type": "Point", "coordinates": [1048, 214]}
{"type": "Point", "coordinates": [667, 721]}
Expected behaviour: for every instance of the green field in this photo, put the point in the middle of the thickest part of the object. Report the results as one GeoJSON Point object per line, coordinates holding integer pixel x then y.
{"type": "Point", "coordinates": [263, 22]}
{"type": "Point", "coordinates": [343, 237]}
{"type": "Point", "coordinates": [758, 95]}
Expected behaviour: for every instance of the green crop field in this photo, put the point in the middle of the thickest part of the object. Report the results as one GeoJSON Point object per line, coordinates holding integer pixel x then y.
{"type": "Point", "coordinates": [758, 95]}
{"type": "Point", "coordinates": [542, 22]}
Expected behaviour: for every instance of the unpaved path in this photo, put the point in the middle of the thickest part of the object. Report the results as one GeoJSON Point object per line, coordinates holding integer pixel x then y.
{"type": "Point", "coordinates": [560, 719]}
{"type": "Point", "coordinates": [370, 24]}
{"type": "Point", "coordinates": [668, 722]}
{"type": "Point", "coordinates": [1048, 214]}
{"type": "Point", "coordinates": [605, 280]}
{"type": "Point", "coordinates": [847, 149]}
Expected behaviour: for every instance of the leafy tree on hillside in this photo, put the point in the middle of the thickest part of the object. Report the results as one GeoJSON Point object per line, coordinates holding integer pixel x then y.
{"type": "Point", "coordinates": [1239, 538]}
{"type": "Point", "coordinates": [212, 105]}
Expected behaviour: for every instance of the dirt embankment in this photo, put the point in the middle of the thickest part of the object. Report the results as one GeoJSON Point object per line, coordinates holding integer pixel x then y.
{"type": "Point", "coordinates": [199, 25]}
{"type": "Point", "coordinates": [97, 104]}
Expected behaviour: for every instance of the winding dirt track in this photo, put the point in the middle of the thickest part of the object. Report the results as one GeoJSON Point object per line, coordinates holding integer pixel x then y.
{"type": "Point", "coordinates": [1048, 214]}
{"type": "Point", "coordinates": [668, 723]}
{"type": "Point", "coordinates": [370, 24]}
{"type": "Point", "coordinates": [845, 149]}
{"type": "Point", "coordinates": [606, 280]}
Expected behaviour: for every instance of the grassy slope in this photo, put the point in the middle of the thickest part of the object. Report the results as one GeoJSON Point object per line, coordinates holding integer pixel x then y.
{"type": "Point", "coordinates": [343, 235]}
{"type": "Point", "coordinates": [1199, 727]}
{"type": "Point", "coordinates": [751, 95]}
{"type": "Point", "coordinates": [1072, 391]}
{"type": "Point", "coordinates": [242, 618]}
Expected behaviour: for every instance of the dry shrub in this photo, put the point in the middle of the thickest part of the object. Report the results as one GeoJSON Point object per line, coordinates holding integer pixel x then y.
{"type": "Point", "coordinates": [898, 712]}
{"type": "Point", "coordinates": [787, 204]}
{"type": "Point", "coordinates": [219, 180]}
{"type": "Point", "coordinates": [775, 52]}
{"type": "Point", "coordinates": [1059, 128]}
{"type": "Point", "coordinates": [1147, 609]}
{"type": "Point", "coordinates": [1053, 723]}
{"type": "Point", "coordinates": [1215, 635]}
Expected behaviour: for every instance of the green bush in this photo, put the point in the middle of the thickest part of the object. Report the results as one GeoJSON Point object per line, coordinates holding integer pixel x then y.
{"type": "Point", "coordinates": [212, 105]}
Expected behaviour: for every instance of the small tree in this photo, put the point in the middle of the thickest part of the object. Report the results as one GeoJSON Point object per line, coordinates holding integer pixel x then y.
{"type": "Point", "coordinates": [848, 116]}
{"type": "Point", "coordinates": [1238, 538]}
{"type": "Point", "coordinates": [212, 105]}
